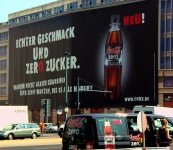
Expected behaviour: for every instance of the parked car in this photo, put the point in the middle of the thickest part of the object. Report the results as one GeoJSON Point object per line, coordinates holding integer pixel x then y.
{"type": "Point", "coordinates": [61, 129]}
{"type": "Point", "coordinates": [20, 130]}
{"type": "Point", "coordinates": [109, 131]}
{"type": "Point", "coordinates": [50, 128]}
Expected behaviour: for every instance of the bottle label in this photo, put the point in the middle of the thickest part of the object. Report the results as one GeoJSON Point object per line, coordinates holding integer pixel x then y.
{"type": "Point", "coordinates": [113, 56]}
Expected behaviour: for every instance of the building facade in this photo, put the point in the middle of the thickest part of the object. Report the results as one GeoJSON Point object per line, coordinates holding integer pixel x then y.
{"type": "Point", "coordinates": [162, 79]}
{"type": "Point", "coordinates": [165, 51]}
{"type": "Point", "coordinates": [4, 58]}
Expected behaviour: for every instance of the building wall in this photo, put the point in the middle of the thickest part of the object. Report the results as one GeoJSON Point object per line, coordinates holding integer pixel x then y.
{"type": "Point", "coordinates": [4, 42]}
{"type": "Point", "coordinates": [165, 54]}
{"type": "Point", "coordinates": [163, 70]}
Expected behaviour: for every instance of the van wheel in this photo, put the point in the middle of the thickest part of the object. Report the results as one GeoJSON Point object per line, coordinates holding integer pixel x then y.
{"type": "Point", "coordinates": [34, 136]}
{"type": "Point", "coordinates": [50, 130]}
{"type": "Point", "coordinates": [10, 136]}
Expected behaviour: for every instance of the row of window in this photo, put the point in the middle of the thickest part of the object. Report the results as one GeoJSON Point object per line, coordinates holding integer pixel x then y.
{"type": "Point", "coordinates": [37, 15]}
{"type": "Point", "coordinates": [3, 64]}
{"type": "Point", "coordinates": [166, 6]}
{"type": "Point", "coordinates": [3, 51]}
{"type": "Point", "coordinates": [4, 36]}
{"type": "Point", "coordinates": [166, 44]}
{"type": "Point", "coordinates": [59, 9]}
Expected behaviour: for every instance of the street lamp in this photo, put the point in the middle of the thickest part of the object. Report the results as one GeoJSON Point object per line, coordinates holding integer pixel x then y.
{"type": "Point", "coordinates": [66, 80]}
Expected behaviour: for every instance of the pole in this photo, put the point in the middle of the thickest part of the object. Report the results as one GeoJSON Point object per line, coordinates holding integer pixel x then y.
{"type": "Point", "coordinates": [143, 132]}
{"type": "Point", "coordinates": [66, 98]}
{"type": "Point", "coordinates": [78, 93]}
{"type": "Point", "coordinates": [66, 81]}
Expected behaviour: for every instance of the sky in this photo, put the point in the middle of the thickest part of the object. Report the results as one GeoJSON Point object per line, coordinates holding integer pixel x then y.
{"type": "Point", "coordinates": [12, 6]}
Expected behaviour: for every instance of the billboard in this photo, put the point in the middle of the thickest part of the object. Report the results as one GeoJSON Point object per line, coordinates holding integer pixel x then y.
{"type": "Point", "coordinates": [112, 60]}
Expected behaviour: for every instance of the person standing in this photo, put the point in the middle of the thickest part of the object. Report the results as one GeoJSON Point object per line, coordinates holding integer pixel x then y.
{"type": "Point", "coordinates": [41, 125]}
{"type": "Point", "coordinates": [162, 135]}
{"type": "Point", "coordinates": [59, 123]}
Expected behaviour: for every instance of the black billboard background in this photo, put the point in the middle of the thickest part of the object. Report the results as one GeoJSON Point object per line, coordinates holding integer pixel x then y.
{"type": "Point", "coordinates": [139, 77]}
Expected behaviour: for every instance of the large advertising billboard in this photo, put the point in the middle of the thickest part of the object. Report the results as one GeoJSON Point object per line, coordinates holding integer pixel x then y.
{"type": "Point", "coordinates": [112, 60]}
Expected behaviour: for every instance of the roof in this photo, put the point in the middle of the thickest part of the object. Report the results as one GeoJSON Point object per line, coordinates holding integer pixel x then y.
{"type": "Point", "coordinates": [116, 114]}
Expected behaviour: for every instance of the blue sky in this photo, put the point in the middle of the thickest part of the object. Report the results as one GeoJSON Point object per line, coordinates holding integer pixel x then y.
{"type": "Point", "coordinates": [11, 6]}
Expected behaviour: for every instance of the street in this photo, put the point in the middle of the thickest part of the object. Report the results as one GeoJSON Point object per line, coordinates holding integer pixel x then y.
{"type": "Point", "coordinates": [49, 141]}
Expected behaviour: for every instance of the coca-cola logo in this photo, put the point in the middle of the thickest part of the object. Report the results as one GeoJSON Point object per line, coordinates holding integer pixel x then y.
{"type": "Point", "coordinates": [75, 122]}
{"type": "Point", "coordinates": [134, 137]}
{"type": "Point", "coordinates": [113, 50]}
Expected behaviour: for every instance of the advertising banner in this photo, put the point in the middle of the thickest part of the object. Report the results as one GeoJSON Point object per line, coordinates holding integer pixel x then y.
{"type": "Point", "coordinates": [112, 58]}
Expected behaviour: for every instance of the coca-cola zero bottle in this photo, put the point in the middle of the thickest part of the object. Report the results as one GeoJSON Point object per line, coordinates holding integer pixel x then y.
{"type": "Point", "coordinates": [113, 60]}
{"type": "Point", "coordinates": [109, 138]}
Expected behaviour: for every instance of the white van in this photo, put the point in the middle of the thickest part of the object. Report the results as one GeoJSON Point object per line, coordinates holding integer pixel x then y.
{"type": "Point", "coordinates": [164, 111]}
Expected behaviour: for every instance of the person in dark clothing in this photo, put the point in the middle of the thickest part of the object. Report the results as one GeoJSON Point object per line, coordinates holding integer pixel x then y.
{"type": "Point", "coordinates": [149, 138]}
{"type": "Point", "coordinates": [58, 124]}
{"type": "Point", "coordinates": [129, 125]}
{"type": "Point", "coordinates": [162, 136]}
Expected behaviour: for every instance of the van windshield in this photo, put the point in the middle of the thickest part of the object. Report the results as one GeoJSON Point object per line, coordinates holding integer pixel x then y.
{"type": "Point", "coordinates": [111, 125]}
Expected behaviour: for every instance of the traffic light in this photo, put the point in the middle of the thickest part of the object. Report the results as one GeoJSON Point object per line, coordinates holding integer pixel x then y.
{"type": "Point", "coordinates": [78, 111]}
{"type": "Point", "coordinates": [44, 106]}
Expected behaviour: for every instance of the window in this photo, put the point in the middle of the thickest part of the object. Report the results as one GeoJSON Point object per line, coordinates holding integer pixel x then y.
{"type": "Point", "coordinates": [72, 6]}
{"type": "Point", "coordinates": [3, 91]}
{"type": "Point", "coordinates": [34, 125]}
{"type": "Point", "coordinates": [3, 64]}
{"type": "Point", "coordinates": [171, 62]}
{"type": "Point", "coordinates": [168, 44]}
{"type": "Point", "coordinates": [117, 126]}
{"type": "Point", "coordinates": [168, 25]}
{"type": "Point", "coordinates": [23, 19]}
{"type": "Point", "coordinates": [59, 9]}
{"type": "Point", "coordinates": [4, 36]}
{"type": "Point", "coordinates": [21, 126]}
{"type": "Point", "coordinates": [3, 78]}
{"type": "Point", "coordinates": [168, 6]}
{"type": "Point", "coordinates": [162, 45]}
{"type": "Point", "coordinates": [168, 98]}
{"type": "Point", "coordinates": [162, 26]}
{"type": "Point", "coordinates": [13, 22]}
{"type": "Point", "coordinates": [167, 62]}
{"type": "Point", "coordinates": [162, 63]}
{"type": "Point", "coordinates": [172, 44]}
{"type": "Point", "coordinates": [86, 3]}
{"type": "Point", "coordinates": [3, 51]}
{"type": "Point", "coordinates": [34, 16]}
{"type": "Point", "coordinates": [162, 7]}
{"type": "Point", "coordinates": [46, 13]}
{"type": "Point", "coordinates": [76, 126]}
{"type": "Point", "coordinates": [157, 124]}
{"type": "Point", "coordinates": [168, 81]}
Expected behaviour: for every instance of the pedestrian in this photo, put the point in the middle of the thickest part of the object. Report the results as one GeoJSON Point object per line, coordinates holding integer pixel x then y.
{"type": "Point", "coordinates": [41, 125]}
{"type": "Point", "coordinates": [129, 125]}
{"type": "Point", "coordinates": [149, 138]}
{"type": "Point", "coordinates": [59, 123]}
{"type": "Point", "coordinates": [162, 135]}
